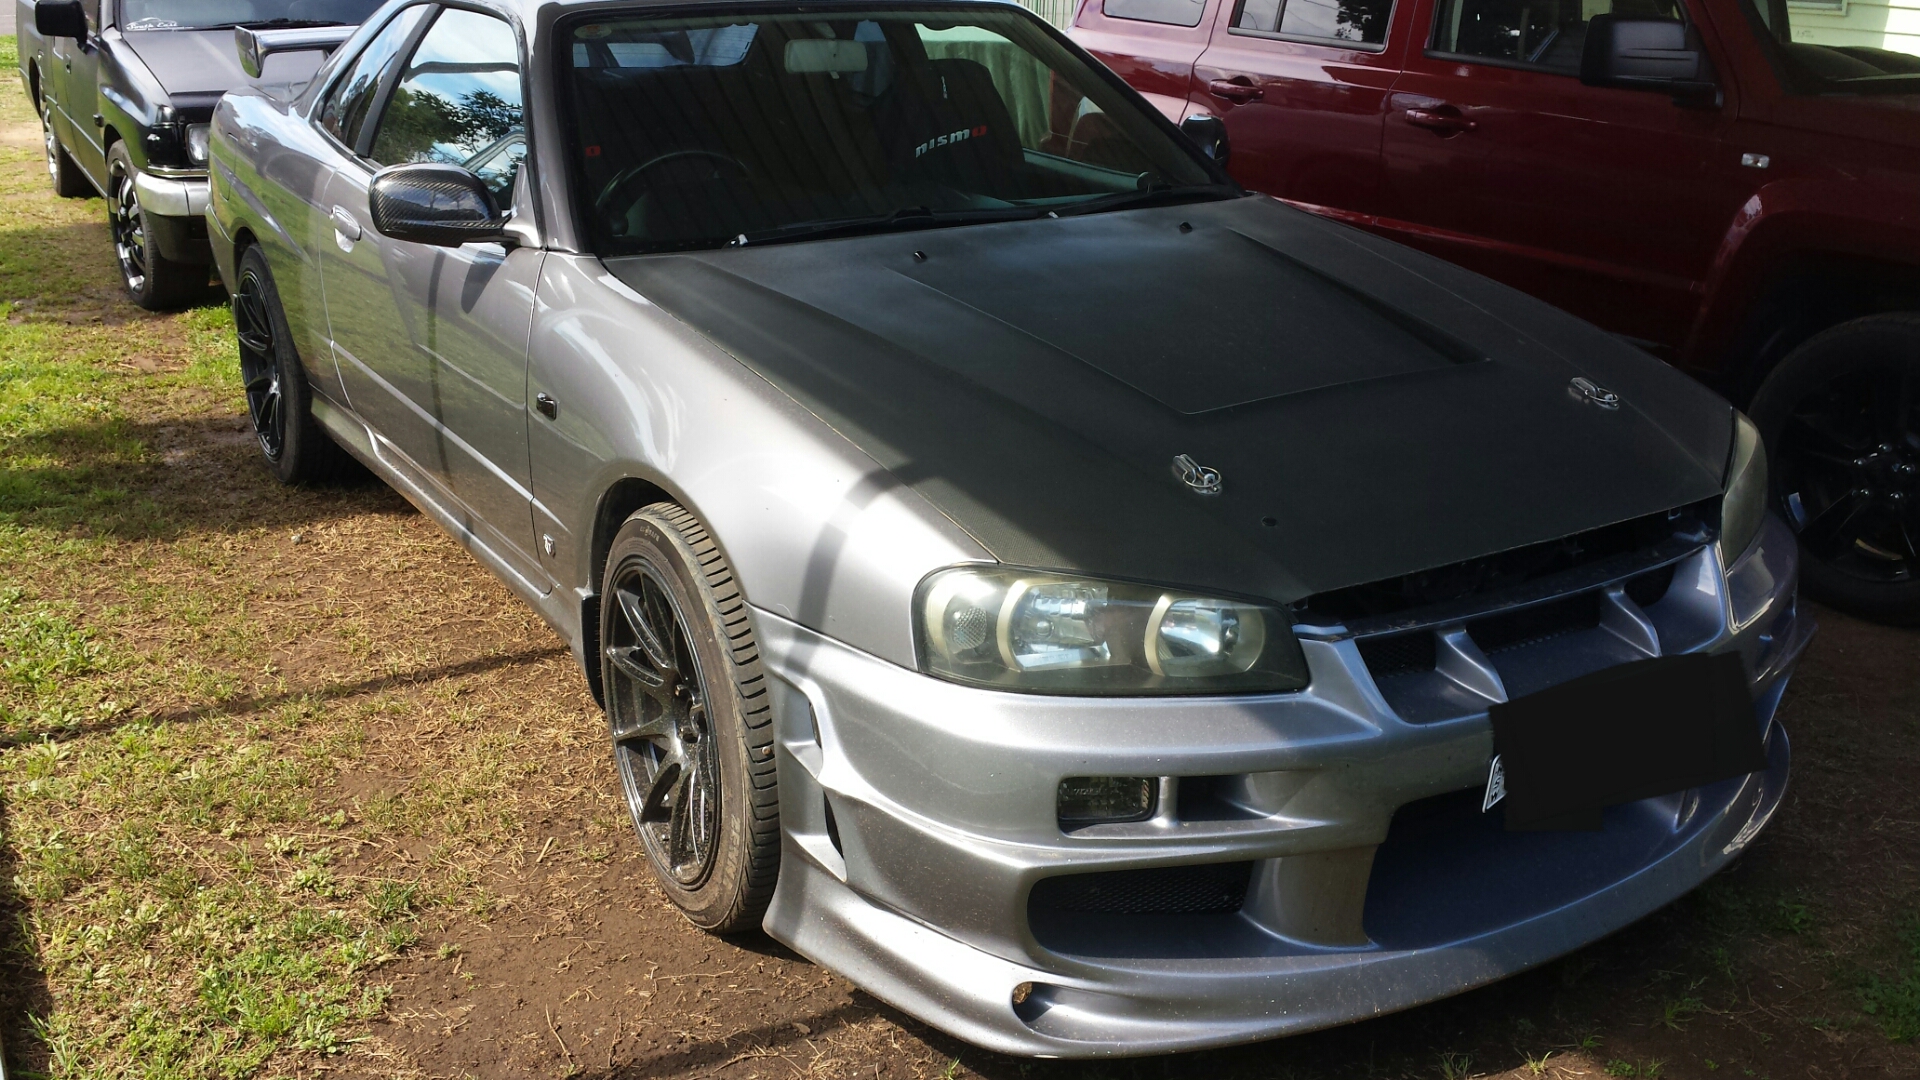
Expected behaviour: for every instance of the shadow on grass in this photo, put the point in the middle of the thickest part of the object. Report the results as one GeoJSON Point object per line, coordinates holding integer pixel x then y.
{"type": "Point", "coordinates": [23, 985]}
{"type": "Point", "coordinates": [66, 273]}
{"type": "Point", "coordinates": [164, 480]}
{"type": "Point", "coordinates": [252, 703]}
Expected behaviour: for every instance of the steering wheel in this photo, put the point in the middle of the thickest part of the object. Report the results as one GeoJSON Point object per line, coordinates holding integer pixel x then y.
{"type": "Point", "coordinates": [627, 177]}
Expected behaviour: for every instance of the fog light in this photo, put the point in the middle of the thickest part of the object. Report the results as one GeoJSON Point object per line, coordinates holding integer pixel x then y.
{"type": "Point", "coordinates": [1090, 800]}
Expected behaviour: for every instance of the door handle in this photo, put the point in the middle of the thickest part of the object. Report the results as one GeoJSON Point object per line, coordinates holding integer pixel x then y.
{"type": "Point", "coordinates": [1238, 89]}
{"type": "Point", "coordinates": [548, 407]}
{"type": "Point", "coordinates": [1448, 122]}
{"type": "Point", "coordinates": [344, 224]}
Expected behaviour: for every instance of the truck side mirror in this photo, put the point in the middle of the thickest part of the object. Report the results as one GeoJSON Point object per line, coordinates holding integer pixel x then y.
{"type": "Point", "coordinates": [1644, 54]}
{"type": "Point", "coordinates": [60, 18]}
{"type": "Point", "coordinates": [442, 205]}
{"type": "Point", "coordinates": [1209, 133]}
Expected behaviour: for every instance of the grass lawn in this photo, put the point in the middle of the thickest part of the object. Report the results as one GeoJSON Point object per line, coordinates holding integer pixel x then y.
{"type": "Point", "coordinates": [290, 787]}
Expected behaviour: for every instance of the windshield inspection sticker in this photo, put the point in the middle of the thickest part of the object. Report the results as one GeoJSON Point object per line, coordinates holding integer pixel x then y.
{"type": "Point", "coordinates": [1496, 785]}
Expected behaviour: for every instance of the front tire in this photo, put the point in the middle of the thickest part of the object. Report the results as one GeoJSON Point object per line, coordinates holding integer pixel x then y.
{"type": "Point", "coordinates": [153, 281]}
{"type": "Point", "coordinates": [691, 724]}
{"type": "Point", "coordinates": [279, 399]}
{"type": "Point", "coordinates": [1840, 416]}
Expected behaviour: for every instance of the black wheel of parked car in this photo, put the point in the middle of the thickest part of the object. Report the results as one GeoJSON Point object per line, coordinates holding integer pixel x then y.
{"type": "Point", "coordinates": [154, 281]}
{"type": "Point", "coordinates": [279, 400]}
{"type": "Point", "coordinates": [1842, 426]}
{"type": "Point", "coordinates": [692, 728]}
{"type": "Point", "coordinates": [68, 182]}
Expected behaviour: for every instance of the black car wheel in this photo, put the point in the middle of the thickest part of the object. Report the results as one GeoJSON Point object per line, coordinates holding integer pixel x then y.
{"type": "Point", "coordinates": [154, 281]}
{"type": "Point", "coordinates": [692, 729]}
{"type": "Point", "coordinates": [68, 183]}
{"type": "Point", "coordinates": [279, 400]}
{"type": "Point", "coordinates": [1841, 420]}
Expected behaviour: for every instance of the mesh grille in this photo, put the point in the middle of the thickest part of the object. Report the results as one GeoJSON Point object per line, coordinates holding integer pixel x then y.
{"type": "Point", "coordinates": [1530, 626]}
{"type": "Point", "coordinates": [1167, 890]}
{"type": "Point", "coordinates": [1400, 654]}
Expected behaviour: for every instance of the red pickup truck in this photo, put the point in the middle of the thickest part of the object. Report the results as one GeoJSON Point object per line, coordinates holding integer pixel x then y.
{"type": "Point", "coordinates": [1734, 185]}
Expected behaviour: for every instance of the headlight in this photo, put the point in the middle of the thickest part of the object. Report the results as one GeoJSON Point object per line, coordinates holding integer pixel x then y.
{"type": "Point", "coordinates": [197, 135]}
{"type": "Point", "coordinates": [1056, 634]}
{"type": "Point", "coordinates": [1744, 506]}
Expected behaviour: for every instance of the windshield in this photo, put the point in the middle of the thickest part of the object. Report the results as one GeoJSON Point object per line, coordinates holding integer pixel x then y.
{"type": "Point", "coordinates": [1845, 47]}
{"type": "Point", "coordinates": [743, 128]}
{"type": "Point", "coordinates": [226, 14]}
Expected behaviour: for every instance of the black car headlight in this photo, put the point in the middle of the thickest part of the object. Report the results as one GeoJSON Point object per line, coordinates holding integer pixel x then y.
{"type": "Point", "coordinates": [1743, 507]}
{"type": "Point", "coordinates": [1050, 633]}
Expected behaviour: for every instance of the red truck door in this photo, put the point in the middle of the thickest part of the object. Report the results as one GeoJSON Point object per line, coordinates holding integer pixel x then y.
{"type": "Point", "coordinates": [1607, 202]}
{"type": "Point", "coordinates": [1303, 86]}
{"type": "Point", "coordinates": [1152, 44]}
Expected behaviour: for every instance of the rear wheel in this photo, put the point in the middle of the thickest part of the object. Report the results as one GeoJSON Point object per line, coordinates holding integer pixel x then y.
{"type": "Point", "coordinates": [279, 400]}
{"type": "Point", "coordinates": [692, 728]}
{"type": "Point", "coordinates": [67, 181]}
{"type": "Point", "coordinates": [153, 281]}
{"type": "Point", "coordinates": [1841, 420]}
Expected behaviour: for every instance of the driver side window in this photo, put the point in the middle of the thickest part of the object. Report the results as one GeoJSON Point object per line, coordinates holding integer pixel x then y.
{"type": "Point", "coordinates": [345, 111]}
{"type": "Point", "coordinates": [1547, 34]}
{"type": "Point", "coordinates": [458, 102]}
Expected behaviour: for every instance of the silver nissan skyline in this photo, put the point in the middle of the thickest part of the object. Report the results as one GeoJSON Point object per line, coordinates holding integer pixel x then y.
{"type": "Point", "coordinates": [1093, 609]}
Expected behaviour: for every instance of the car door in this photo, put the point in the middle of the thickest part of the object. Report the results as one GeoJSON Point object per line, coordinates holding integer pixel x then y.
{"type": "Point", "coordinates": [1608, 202]}
{"type": "Point", "coordinates": [1152, 44]}
{"type": "Point", "coordinates": [1302, 86]}
{"type": "Point", "coordinates": [432, 341]}
{"type": "Point", "coordinates": [76, 75]}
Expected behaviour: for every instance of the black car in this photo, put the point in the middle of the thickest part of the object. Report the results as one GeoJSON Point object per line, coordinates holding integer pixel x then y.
{"type": "Point", "coordinates": [125, 90]}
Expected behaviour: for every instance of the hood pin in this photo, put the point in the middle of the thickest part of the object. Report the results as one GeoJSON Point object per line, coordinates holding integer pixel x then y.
{"type": "Point", "coordinates": [1200, 478]}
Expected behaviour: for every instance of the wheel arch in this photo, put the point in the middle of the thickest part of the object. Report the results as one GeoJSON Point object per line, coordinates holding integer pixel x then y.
{"type": "Point", "coordinates": [1805, 293]}
{"type": "Point", "coordinates": [617, 503]}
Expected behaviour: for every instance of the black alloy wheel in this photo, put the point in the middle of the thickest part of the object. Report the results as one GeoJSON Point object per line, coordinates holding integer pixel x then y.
{"type": "Point", "coordinates": [153, 280]}
{"type": "Point", "coordinates": [279, 398]}
{"type": "Point", "coordinates": [65, 175]}
{"type": "Point", "coordinates": [662, 734]}
{"type": "Point", "coordinates": [1841, 420]}
{"type": "Point", "coordinates": [691, 726]}
{"type": "Point", "coordinates": [129, 229]}
{"type": "Point", "coordinates": [259, 361]}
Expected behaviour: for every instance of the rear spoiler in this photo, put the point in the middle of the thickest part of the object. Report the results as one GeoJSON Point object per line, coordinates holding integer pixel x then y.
{"type": "Point", "coordinates": [256, 45]}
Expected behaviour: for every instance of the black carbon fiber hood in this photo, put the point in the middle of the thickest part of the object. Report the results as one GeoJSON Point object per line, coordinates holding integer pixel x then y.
{"type": "Point", "coordinates": [1372, 411]}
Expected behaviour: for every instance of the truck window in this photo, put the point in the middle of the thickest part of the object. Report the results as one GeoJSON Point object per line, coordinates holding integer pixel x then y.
{"type": "Point", "coordinates": [1545, 34]}
{"type": "Point", "coordinates": [1170, 12]}
{"type": "Point", "coordinates": [1358, 22]}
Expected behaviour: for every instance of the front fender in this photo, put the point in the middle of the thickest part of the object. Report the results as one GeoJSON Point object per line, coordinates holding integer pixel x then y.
{"type": "Point", "coordinates": [816, 531]}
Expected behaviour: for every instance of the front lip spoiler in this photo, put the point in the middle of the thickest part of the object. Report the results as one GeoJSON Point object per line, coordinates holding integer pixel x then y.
{"type": "Point", "coordinates": [1137, 1008]}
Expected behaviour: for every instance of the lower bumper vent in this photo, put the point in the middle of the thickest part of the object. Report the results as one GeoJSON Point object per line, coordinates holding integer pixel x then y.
{"type": "Point", "coordinates": [1186, 890]}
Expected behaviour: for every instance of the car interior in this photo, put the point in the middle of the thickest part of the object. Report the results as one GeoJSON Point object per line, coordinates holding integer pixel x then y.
{"type": "Point", "coordinates": [701, 134]}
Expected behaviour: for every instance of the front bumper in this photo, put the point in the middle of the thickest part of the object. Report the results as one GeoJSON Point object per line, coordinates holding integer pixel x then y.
{"type": "Point", "coordinates": [171, 196]}
{"type": "Point", "coordinates": [919, 815]}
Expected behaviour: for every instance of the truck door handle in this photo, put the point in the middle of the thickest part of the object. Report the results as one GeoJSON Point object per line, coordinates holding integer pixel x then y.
{"type": "Point", "coordinates": [1238, 89]}
{"type": "Point", "coordinates": [344, 224]}
{"type": "Point", "coordinates": [548, 407]}
{"type": "Point", "coordinates": [1444, 119]}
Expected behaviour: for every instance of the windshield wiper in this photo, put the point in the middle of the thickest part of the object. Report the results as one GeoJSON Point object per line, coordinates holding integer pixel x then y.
{"type": "Point", "coordinates": [905, 219]}
{"type": "Point", "coordinates": [1161, 194]}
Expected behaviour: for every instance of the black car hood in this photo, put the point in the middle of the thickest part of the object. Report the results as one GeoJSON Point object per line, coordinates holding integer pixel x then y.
{"type": "Point", "coordinates": [1372, 411]}
{"type": "Point", "coordinates": [197, 63]}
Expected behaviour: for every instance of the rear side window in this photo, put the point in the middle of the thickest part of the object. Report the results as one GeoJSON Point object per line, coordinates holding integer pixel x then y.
{"type": "Point", "coordinates": [458, 102]}
{"type": "Point", "coordinates": [1170, 12]}
{"type": "Point", "coordinates": [1545, 34]}
{"type": "Point", "coordinates": [345, 110]}
{"type": "Point", "coordinates": [1358, 22]}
